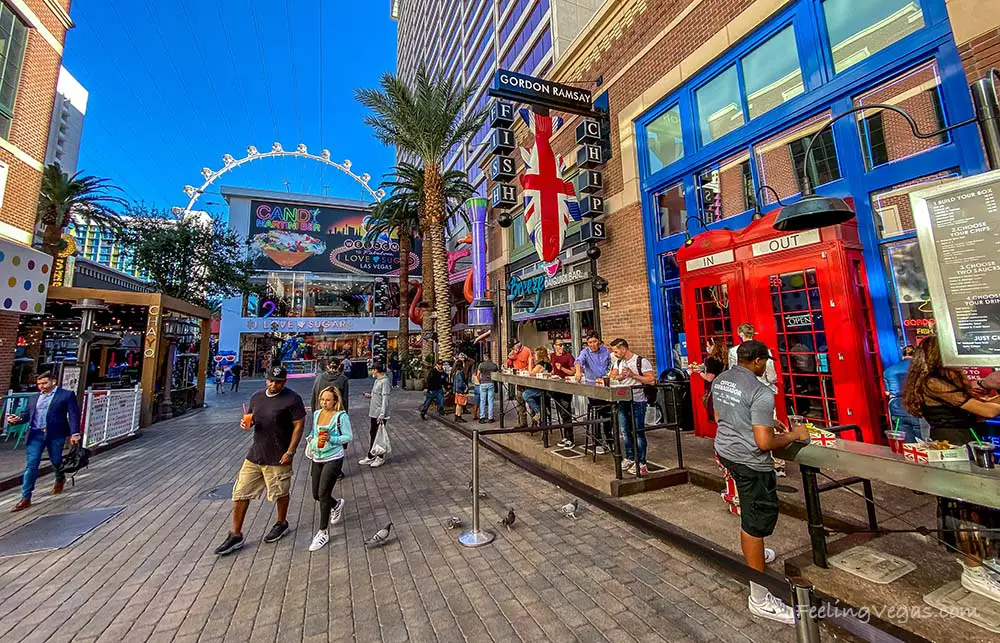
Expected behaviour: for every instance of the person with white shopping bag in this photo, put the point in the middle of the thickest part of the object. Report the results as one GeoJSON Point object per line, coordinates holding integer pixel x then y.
{"type": "Point", "coordinates": [378, 414]}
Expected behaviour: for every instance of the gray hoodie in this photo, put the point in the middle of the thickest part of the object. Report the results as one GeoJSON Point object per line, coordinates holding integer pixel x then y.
{"type": "Point", "coordinates": [326, 379]}
{"type": "Point", "coordinates": [379, 407]}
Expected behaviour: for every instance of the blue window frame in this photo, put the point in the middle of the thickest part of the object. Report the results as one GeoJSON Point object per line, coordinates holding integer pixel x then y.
{"type": "Point", "coordinates": [855, 163]}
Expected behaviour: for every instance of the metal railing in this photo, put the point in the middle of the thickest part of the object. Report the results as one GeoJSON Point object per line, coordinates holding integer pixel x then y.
{"type": "Point", "coordinates": [110, 415]}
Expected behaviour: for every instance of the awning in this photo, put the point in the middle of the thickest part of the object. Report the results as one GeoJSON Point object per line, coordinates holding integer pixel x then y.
{"type": "Point", "coordinates": [25, 282]}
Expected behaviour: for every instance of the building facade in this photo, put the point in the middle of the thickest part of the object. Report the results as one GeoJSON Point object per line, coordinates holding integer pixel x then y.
{"type": "Point", "coordinates": [66, 129]}
{"type": "Point", "coordinates": [469, 40]}
{"type": "Point", "coordinates": [100, 245]}
{"type": "Point", "coordinates": [327, 289]}
{"type": "Point", "coordinates": [712, 103]}
{"type": "Point", "coordinates": [32, 33]}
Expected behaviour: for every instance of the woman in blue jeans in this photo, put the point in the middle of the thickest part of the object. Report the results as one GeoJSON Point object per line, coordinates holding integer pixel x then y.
{"type": "Point", "coordinates": [533, 396]}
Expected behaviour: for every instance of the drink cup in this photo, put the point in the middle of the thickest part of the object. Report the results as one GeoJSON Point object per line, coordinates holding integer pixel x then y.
{"type": "Point", "coordinates": [247, 420]}
{"type": "Point", "coordinates": [795, 421]}
{"type": "Point", "coordinates": [896, 440]}
{"type": "Point", "coordinates": [982, 454]}
{"type": "Point", "coordinates": [322, 439]}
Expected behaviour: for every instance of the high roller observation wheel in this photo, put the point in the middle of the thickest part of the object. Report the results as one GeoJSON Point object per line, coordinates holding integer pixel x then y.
{"type": "Point", "coordinates": [300, 151]}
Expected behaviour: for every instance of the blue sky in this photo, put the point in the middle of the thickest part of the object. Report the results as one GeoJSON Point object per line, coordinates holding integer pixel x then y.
{"type": "Point", "coordinates": [175, 85]}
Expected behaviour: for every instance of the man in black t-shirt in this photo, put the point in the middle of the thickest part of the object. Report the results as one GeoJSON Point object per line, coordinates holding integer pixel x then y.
{"type": "Point", "coordinates": [277, 416]}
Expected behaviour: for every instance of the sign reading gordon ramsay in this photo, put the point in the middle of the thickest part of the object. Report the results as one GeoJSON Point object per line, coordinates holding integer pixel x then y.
{"type": "Point", "coordinates": [958, 225]}
{"type": "Point", "coordinates": [537, 91]}
{"type": "Point", "coordinates": [311, 238]}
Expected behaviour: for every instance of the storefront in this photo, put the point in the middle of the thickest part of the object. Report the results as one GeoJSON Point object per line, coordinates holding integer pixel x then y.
{"type": "Point", "coordinates": [544, 309]}
{"type": "Point", "coordinates": [327, 288]}
{"type": "Point", "coordinates": [729, 142]}
{"type": "Point", "coordinates": [149, 340]}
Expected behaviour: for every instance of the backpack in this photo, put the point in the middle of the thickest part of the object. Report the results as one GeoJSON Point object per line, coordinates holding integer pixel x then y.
{"type": "Point", "coordinates": [77, 458]}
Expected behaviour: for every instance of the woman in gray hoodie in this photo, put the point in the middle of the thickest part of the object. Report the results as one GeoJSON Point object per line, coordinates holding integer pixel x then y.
{"type": "Point", "coordinates": [378, 412]}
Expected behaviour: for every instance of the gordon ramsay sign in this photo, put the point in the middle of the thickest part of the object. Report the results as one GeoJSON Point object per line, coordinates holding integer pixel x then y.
{"type": "Point", "coordinates": [537, 91]}
{"type": "Point", "coordinates": [311, 238]}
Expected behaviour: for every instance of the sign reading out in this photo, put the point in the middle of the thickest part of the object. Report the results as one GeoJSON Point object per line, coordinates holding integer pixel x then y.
{"type": "Point", "coordinates": [787, 242]}
{"type": "Point", "coordinates": [958, 225]}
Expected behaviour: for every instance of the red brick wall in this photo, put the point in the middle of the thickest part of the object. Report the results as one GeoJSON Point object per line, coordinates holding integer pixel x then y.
{"type": "Point", "coordinates": [980, 54]}
{"type": "Point", "coordinates": [8, 342]}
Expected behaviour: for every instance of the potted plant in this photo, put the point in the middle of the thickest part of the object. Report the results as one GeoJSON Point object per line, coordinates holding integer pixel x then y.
{"type": "Point", "coordinates": [413, 373]}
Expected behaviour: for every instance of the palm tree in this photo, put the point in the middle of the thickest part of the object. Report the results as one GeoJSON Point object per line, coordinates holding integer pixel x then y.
{"type": "Point", "coordinates": [63, 195]}
{"type": "Point", "coordinates": [403, 212]}
{"type": "Point", "coordinates": [426, 121]}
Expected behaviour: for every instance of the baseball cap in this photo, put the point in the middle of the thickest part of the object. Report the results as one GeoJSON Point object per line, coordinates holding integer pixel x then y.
{"type": "Point", "coordinates": [277, 374]}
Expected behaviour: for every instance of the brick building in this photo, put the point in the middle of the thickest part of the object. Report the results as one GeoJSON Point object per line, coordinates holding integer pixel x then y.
{"type": "Point", "coordinates": [32, 33]}
{"type": "Point", "coordinates": [712, 100]}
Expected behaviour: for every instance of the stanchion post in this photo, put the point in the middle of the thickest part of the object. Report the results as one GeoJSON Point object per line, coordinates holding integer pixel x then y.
{"type": "Point", "coordinates": [475, 537]}
{"type": "Point", "coordinates": [803, 605]}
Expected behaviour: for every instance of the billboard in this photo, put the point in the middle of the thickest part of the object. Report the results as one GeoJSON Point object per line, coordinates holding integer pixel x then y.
{"type": "Point", "coordinates": [311, 238]}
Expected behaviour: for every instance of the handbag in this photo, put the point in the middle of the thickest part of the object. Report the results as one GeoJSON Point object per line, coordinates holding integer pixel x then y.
{"type": "Point", "coordinates": [461, 399]}
{"type": "Point", "coordinates": [381, 445]}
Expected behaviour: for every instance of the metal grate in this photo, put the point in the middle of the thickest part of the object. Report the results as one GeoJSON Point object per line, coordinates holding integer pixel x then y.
{"type": "Point", "coordinates": [219, 492]}
{"type": "Point", "coordinates": [48, 533]}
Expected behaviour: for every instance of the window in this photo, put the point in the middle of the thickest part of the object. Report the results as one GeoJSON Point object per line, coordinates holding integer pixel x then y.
{"type": "Point", "coordinates": [668, 266]}
{"type": "Point", "coordinates": [859, 29]}
{"type": "Point", "coordinates": [663, 139]}
{"type": "Point", "coordinates": [771, 73]}
{"type": "Point", "coordinates": [726, 190]}
{"type": "Point", "coordinates": [911, 308]}
{"type": "Point", "coordinates": [822, 162]}
{"type": "Point", "coordinates": [13, 39]}
{"type": "Point", "coordinates": [518, 233]}
{"type": "Point", "coordinates": [671, 210]}
{"type": "Point", "coordinates": [885, 135]}
{"type": "Point", "coordinates": [891, 207]}
{"type": "Point", "coordinates": [675, 331]}
{"type": "Point", "coordinates": [779, 159]}
{"type": "Point", "coordinates": [719, 105]}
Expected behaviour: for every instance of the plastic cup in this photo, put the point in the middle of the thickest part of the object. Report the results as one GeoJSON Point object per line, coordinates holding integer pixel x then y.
{"type": "Point", "coordinates": [247, 420]}
{"type": "Point", "coordinates": [982, 454]}
{"type": "Point", "coordinates": [795, 421]}
{"type": "Point", "coordinates": [896, 440]}
{"type": "Point", "coordinates": [322, 438]}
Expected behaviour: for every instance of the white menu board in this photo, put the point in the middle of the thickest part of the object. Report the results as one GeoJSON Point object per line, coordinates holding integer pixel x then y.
{"type": "Point", "coordinates": [958, 226]}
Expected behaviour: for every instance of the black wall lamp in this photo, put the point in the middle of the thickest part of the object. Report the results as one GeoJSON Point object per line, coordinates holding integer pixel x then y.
{"type": "Point", "coordinates": [814, 211]}
{"type": "Point", "coordinates": [687, 234]}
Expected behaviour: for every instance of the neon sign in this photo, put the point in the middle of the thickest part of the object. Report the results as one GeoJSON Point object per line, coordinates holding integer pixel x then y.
{"type": "Point", "coordinates": [288, 218]}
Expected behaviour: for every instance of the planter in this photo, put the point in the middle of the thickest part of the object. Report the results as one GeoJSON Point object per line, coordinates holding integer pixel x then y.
{"type": "Point", "coordinates": [415, 384]}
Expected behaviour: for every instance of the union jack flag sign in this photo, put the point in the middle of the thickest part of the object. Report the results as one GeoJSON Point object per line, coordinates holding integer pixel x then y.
{"type": "Point", "coordinates": [549, 200]}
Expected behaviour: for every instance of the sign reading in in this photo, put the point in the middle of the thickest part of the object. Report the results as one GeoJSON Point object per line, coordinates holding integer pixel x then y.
{"type": "Point", "coordinates": [322, 239]}
{"type": "Point", "coordinates": [537, 91]}
{"type": "Point", "coordinates": [717, 259]}
{"type": "Point", "coordinates": [958, 226]}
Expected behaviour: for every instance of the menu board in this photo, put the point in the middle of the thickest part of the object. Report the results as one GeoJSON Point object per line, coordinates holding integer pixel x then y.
{"type": "Point", "coordinates": [958, 226]}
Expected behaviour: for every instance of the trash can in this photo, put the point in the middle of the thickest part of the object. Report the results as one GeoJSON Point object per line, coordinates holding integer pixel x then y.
{"type": "Point", "coordinates": [675, 398]}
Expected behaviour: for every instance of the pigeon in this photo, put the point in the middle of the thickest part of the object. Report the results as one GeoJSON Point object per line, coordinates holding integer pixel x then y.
{"type": "Point", "coordinates": [569, 509]}
{"type": "Point", "coordinates": [482, 494]}
{"type": "Point", "coordinates": [508, 520]}
{"type": "Point", "coordinates": [453, 522]}
{"type": "Point", "coordinates": [380, 537]}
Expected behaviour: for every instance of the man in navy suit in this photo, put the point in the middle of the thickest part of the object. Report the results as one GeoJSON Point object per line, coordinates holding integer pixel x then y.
{"type": "Point", "coordinates": [52, 417]}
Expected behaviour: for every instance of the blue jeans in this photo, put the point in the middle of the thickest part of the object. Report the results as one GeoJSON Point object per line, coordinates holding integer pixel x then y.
{"type": "Point", "coordinates": [907, 423]}
{"type": "Point", "coordinates": [433, 396]}
{"type": "Point", "coordinates": [486, 401]}
{"type": "Point", "coordinates": [396, 377]}
{"type": "Point", "coordinates": [36, 443]}
{"type": "Point", "coordinates": [533, 398]}
{"type": "Point", "coordinates": [626, 411]}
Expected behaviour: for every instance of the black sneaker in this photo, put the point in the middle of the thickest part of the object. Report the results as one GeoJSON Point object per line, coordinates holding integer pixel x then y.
{"type": "Point", "coordinates": [277, 532]}
{"type": "Point", "coordinates": [229, 545]}
{"type": "Point", "coordinates": [423, 415]}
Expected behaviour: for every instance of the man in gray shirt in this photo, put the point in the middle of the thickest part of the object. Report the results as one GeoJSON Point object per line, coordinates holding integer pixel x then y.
{"type": "Point", "coordinates": [484, 372]}
{"type": "Point", "coordinates": [744, 410]}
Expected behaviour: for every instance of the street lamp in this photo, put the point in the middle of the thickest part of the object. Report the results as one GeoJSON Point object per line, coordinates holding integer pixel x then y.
{"type": "Point", "coordinates": [814, 211]}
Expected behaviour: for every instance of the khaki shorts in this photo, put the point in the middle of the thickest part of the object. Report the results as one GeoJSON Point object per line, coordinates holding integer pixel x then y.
{"type": "Point", "coordinates": [254, 478]}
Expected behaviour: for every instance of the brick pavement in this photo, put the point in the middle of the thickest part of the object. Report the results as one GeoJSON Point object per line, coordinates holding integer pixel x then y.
{"type": "Point", "coordinates": [149, 573]}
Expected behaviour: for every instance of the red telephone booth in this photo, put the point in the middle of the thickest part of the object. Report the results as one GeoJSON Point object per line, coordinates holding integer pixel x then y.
{"type": "Point", "coordinates": [806, 295]}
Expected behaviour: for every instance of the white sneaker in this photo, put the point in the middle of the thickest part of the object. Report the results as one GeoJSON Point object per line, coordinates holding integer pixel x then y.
{"type": "Point", "coordinates": [320, 540]}
{"type": "Point", "coordinates": [365, 460]}
{"type": "Point", "coordinates": [599, 450]}
{"type": "Point", "coordinates": [377, 462]}
{"type": "Point", "coordinates": [627, 464]}
{"type": "Point", "coordinates": [338, 512]}
{"type": "Point", "coordinates": [980, 581]}
{"type": "Point", "coordinates": [769, 556]}
{"type": "Point", "coordinates": [772, 608]}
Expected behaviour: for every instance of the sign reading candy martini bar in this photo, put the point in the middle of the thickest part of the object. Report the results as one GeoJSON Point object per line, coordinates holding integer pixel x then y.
{"type": "Point", "coordinates": [325, 239]}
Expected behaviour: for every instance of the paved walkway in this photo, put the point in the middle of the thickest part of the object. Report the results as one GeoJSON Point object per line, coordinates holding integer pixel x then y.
{"type": "Point", "coordinates": [149, 573]}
